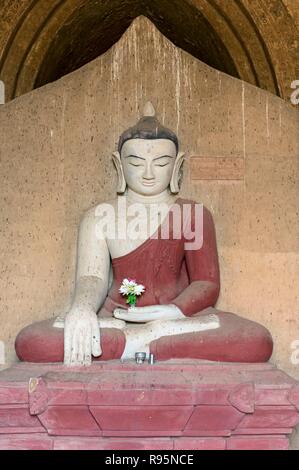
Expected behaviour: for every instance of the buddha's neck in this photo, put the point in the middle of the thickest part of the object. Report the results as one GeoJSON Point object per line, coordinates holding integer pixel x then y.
{"type": "Point", "coordinates": [163, 198]}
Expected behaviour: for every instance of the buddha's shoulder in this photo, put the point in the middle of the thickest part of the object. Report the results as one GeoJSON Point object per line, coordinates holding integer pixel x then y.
{"type": "Point", "coordinates": [99, 209]}
{"type": "Point", "coordinates": [109, 203]}
{"type": "Point", "coordinates": [194, 204]}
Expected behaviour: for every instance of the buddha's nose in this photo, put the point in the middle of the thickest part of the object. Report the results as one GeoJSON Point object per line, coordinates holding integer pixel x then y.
{"type": "Point", "coordinates": [148, 173]}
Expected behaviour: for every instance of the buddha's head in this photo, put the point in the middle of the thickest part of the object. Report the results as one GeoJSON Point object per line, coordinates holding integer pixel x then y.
{"type": "Point", "coordinates": [148, 160]}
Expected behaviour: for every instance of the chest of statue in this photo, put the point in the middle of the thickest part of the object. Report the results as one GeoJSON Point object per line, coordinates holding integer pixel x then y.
{"type": "Point", "coordinates": [135, 224]}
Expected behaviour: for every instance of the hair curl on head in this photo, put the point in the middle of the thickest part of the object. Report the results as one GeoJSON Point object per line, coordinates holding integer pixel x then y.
{"type": "Point", "coordinates": [148, 127]}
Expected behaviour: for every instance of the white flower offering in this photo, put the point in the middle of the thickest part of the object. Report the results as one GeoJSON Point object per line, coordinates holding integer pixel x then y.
{"type": "Point", "coordinates": [131, 290]}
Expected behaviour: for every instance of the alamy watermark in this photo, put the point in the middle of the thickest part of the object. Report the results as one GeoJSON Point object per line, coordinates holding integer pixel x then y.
{"type": "Point", "coordinates": [295, 353]}
{"type": "Point", "coordinates": [139, 222]}
{"type": "Point", "coordinates": [295, 94]}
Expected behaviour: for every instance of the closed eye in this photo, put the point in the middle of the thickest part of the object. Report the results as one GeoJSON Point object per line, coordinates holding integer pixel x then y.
{"type": "Point", "coordinates": [135, 164]}
{"type": "Point", "coordinates": [163, 161]}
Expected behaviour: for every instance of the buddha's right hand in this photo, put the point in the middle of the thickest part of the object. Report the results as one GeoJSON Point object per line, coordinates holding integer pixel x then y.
{"type": "Point", "coordinates": [81, 337]}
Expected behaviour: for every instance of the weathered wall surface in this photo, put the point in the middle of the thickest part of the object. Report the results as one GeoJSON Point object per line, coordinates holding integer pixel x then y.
{"type": "Point", "coordinates": [55, 150]}
{"type": "Point", "coordinates": [254, 40]}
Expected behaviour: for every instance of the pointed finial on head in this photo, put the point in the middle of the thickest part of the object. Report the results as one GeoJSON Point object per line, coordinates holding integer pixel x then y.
{"type": "Point", "coordinates": [149, 110]}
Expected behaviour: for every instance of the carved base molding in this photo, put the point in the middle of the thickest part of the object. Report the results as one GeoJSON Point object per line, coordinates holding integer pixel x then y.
{"type": "Point", "coordinates": [169, 405]}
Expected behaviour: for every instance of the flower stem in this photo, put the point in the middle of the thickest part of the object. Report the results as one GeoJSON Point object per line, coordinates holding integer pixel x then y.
{"type": "Point", "coordinates": [131, 300]}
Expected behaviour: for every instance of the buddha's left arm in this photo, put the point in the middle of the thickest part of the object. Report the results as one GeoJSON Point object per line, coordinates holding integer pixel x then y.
{"type": "Point", "coordinates": [203, 269]}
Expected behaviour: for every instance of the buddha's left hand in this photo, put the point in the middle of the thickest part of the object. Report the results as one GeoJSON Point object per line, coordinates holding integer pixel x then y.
{"type": "Point", "coordinates": [149, 313]}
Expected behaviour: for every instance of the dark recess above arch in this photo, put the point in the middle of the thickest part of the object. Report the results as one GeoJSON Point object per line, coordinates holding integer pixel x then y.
{"type": "Point", "coordinates": [43, 40]}
{"type": "Point", "coordinates": [93, 29]}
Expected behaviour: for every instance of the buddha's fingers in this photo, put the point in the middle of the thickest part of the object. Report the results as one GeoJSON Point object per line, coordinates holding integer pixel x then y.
{"type": "Point", "coordinates": [84, 353]}
{"type": "Point", "coordinates": [80, 356]}
{"type": "Point", "coordinates": [96, 338]}
{"type": "Point", "coordinates": [87, 351]}
{"type": "Point", "coordinates": [67, 345]}
{"type": "Point", "coordinates": [74, 347]}
{"type": "Point", "coordinates": [77, 350]}
{"type": "Point", "coordinates": [131, 317]}
{"type": "Point", "coordinates": [147, 309]}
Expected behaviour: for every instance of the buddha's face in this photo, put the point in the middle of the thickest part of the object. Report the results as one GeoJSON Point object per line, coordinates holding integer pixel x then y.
{"type": "Point", "coordinates": [148, 165]}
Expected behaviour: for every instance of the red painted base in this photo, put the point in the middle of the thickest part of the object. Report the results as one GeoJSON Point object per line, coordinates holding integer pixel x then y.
{"type": "Point", "coordinates": [170, 405]}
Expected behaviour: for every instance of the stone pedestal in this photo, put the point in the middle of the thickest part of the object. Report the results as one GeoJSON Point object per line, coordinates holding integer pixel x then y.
{"type": "Point", "coordinates": [169, 405]}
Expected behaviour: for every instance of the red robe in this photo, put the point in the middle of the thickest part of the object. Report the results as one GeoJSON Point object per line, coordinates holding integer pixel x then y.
{"type": "Point", "coordinates": [170, 273]}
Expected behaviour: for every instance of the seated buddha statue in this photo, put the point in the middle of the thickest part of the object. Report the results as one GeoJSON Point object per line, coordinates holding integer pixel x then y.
{"type": "Point", "coordinates": [167, 245]}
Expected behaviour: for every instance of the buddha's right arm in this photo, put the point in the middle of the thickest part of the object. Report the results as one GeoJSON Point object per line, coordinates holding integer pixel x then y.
{"type": "Point", "coordinates": [90, 293]}
{"type": "Point", "coordinates": [93, 264]}
{"type": "Point", "coordinates": [81, 331]}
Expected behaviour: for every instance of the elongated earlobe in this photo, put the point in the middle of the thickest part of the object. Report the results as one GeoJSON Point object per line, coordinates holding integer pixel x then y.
{"type": "Point", "coordinates": [177, 174]}
{"type": "Point", "coordinates": [121, 182]}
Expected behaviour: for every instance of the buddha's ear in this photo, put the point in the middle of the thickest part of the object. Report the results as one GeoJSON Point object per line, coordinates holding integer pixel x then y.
{"type": "Point", "coordinates": [121, 182]}
{"type": "Point", "coordinates": [177, 173]}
